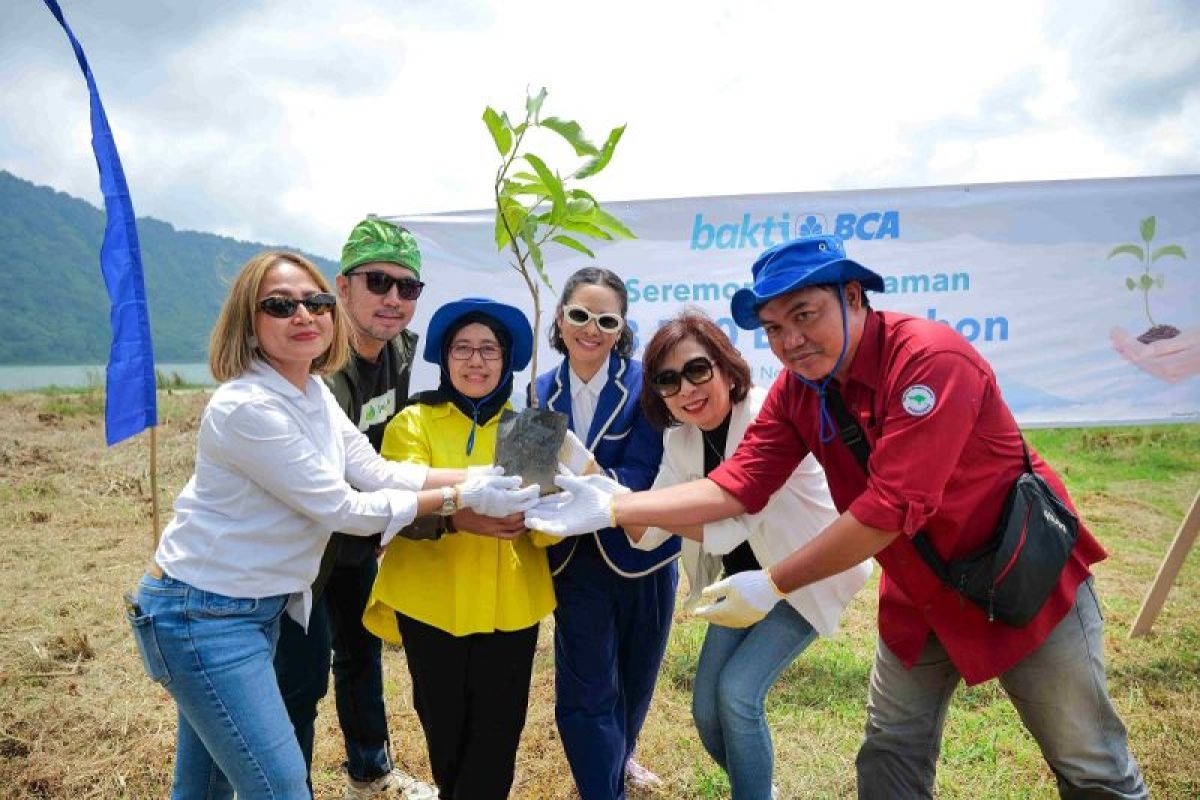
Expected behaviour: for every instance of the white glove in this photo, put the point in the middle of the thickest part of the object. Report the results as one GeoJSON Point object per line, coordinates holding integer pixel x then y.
{"type": "Point", "coordinates": [496, 495]}
{"type": "Point", "coordinates": [575, 456]}
{"type": "Point", "coordinates": [740, 600]}
{"type": "Point", "coordinates": [585, 506]}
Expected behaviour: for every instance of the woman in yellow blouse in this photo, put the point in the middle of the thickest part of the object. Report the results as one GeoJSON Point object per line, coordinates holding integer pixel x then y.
{"type": "Point", "coordinates": [467, 605]}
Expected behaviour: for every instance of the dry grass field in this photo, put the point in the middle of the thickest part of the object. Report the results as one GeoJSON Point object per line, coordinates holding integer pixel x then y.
{"type": "Point", "coordinates": [78, 719]}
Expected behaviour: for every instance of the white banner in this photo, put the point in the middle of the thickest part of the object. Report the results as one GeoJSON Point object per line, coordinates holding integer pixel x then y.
{"type": "Point", "coordinates": [1026, 271]}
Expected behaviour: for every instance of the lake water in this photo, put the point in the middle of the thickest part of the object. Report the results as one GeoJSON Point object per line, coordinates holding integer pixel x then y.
{"type": "Point", "coordinates": [16, 378]}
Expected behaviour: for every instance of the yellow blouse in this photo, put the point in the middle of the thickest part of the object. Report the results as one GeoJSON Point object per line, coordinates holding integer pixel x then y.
{"type": "Point", "coordinates": [462, 583]}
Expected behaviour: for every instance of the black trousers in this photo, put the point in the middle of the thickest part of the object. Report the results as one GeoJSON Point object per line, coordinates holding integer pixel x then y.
{"type": "Point", "coordinates": [470, 693]}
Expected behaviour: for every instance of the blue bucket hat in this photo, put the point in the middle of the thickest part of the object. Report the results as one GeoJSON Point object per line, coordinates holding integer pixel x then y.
{"type": "Point", "coordinates": [513, 319]}
{"type": "Point", "coordinates": [807, 261]}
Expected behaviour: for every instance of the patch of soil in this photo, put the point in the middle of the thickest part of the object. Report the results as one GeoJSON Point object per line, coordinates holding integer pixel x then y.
{"type": "Point", "coordinates": [11, 747]}
{"type": "Point", "coordinates": [74, 646]}
{"type": "Point", "coordinates": [43, 787]}
{"type": "Point", "coordinates": [19, 455]}
{"type": "Point", "coordinates": [1158, 333]}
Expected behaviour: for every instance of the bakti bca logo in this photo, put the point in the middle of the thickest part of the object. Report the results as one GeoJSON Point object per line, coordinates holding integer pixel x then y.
{"type": "Point", "coordinates": [754, 231]}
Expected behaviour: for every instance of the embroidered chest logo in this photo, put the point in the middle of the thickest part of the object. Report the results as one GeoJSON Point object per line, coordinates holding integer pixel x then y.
{"type": "Point", "coordinates": [376, 410]}
{"type": "Point", "coordinates": [918, 400]}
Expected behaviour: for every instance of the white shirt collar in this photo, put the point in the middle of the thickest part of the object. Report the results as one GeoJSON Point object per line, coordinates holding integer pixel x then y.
{"type": "Point", "coordinates": [269, 377]}
{"type": "Point", "coordinates": [592, 387]}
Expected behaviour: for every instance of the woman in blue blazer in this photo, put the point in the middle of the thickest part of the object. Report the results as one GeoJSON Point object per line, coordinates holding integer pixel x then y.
{"type": "Point", "coordinates": [614, 602]}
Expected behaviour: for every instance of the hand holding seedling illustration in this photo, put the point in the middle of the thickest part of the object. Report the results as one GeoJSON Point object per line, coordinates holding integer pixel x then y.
{"type": "Point", "coordinates": [1164, 351]}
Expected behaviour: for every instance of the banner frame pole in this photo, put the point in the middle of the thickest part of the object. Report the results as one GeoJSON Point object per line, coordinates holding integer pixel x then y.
{"type": "Point", "coordinates": [1168, 570]}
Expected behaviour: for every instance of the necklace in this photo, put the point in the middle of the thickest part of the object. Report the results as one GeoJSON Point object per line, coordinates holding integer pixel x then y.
{"type": "Point", "coordinates": [712, 447]}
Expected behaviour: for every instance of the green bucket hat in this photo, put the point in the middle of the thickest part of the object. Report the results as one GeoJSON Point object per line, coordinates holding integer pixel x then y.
{"type": "Point", "coordinates": [379, 240]}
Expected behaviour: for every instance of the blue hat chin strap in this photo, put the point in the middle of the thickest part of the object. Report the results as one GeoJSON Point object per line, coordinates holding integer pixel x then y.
{"type": "Point", "coordinates": [828, 428]}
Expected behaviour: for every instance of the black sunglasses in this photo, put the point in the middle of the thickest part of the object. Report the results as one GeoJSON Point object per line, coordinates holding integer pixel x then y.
{"type": "Point", "coordinates": [668, 382]}
{"type": "Point", "coordinates": [284, 307]}
{"type": "Point", "coordinates": [381, 283]}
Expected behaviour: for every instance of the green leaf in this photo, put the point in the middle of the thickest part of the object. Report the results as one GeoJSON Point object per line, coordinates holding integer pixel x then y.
{"type": "Point", "coordinates": [611, 223]}
{"type": "Point", "coordinates": [1129, 249]}
{"type": "Point", "coordinates": [515, 213]}
{"type": "Point", "coordinates": [1168, 250]}
{"type": "Point", "coordinates": [533, 103]}
{"type": "Point", "coordinates": [586, 228]}
{"type": "Point", "coordinates": [580, 207]}
{"type": "Point", "coordinates": [513, 188]}
{"type": "Point", "coordinates": [499, 128]}
{"type": "Point", "coordinates": [606, 153]}
{"type": "Point", "coordinates": [571, 131]}
{"type": "Point", "coordinates": [1145, 282]}
{"type": "Point", "coordinates": [1147, 226]}
{"type": "Point", "coordinates": [553, 186]}
{"type": "Point", "coordinates": [1130, 284]}
{"type": "Point", "coordinates": [567, 241]}
{"type": "Point", "coordinates": [535, 252]}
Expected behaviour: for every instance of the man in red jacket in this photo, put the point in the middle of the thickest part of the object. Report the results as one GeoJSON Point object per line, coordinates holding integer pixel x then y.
{"type": "Point", "coordinates": [945, 450]}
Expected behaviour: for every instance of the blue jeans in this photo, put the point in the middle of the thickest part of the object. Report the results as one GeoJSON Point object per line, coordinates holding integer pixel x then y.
{"type": "Point", "coordinates": [737, 668]}
{"type": "Point", "coordinates": [302, 663]}
{"type": "Point", "coordinates": [1059, 690]}
{"type": "Point", "coordinates": [213, 654]}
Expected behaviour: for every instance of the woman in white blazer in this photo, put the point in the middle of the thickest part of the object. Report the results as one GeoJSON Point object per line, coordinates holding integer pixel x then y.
{"type": "Point", "coordinates": [698, 388]}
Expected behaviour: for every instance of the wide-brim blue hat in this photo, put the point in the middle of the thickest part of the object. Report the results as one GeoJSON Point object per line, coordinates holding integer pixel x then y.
{"type": "Point", "coordinates": [513, 319]}
{"type": "Point", "coordinates": [807, 261]}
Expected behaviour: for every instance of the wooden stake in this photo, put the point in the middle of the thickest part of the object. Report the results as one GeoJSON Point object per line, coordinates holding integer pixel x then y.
{"type": "Point", "coordinates": [1168, 571]}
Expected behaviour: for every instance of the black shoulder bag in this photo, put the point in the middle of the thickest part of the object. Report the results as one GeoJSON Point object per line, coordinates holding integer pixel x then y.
{"type": "Point", "coordinates": [1011, 577]}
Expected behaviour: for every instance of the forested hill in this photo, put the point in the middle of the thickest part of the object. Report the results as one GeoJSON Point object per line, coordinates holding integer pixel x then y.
{"type": "Point", "coordinates": [57, 307]}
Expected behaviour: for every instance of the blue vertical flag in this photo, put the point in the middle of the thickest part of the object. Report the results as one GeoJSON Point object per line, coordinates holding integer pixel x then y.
{"type": "Point", "coordinates": [130, 403]}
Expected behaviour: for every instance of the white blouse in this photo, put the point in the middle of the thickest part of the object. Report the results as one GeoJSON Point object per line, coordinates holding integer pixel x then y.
{"type": "Point", "coordinates": [274, 473]}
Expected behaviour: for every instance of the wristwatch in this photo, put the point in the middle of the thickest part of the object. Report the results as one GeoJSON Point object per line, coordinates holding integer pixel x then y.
{"type": "Point", "coordinates": [449, 501]}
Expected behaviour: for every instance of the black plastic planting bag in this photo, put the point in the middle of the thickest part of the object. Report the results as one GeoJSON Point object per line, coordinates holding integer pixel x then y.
{"type": "Point", "coordinates": [1014, 575]}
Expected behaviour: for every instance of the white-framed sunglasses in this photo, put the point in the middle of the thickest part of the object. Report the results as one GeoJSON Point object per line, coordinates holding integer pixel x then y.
{"type": "Point", "coordinates": [580, 316]}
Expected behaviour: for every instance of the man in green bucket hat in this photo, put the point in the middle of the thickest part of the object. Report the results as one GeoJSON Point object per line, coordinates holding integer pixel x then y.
{"type": "Point", "coordinates": [378, 288]}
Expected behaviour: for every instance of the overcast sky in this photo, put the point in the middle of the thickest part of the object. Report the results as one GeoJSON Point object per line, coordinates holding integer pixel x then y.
{"type": "Point", "coordinates": [285, 122]}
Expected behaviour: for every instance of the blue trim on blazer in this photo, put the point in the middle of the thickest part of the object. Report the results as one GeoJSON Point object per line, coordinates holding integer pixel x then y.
{"type": "Point", "coordinates": [626, 446]}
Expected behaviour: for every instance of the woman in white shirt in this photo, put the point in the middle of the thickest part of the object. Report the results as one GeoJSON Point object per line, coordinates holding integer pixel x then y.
{"type": "Point", "coordinates": [275, 461]}
{"type": "Point", "coordinates": [698, 388]}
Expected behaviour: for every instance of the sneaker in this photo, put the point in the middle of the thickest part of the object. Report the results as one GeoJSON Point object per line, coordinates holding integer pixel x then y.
{"type": "Point", "coordinates": [397, 783]}
{"type": "Point", "coordinates": [639, 777]}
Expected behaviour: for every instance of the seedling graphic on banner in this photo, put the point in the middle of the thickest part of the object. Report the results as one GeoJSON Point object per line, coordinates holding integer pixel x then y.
{"type": "Point", "coordinates": [1145, 282]}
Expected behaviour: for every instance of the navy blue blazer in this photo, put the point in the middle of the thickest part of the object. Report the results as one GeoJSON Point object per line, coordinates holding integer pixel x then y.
{"type": "Point", "coordinates": [626, 446]}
